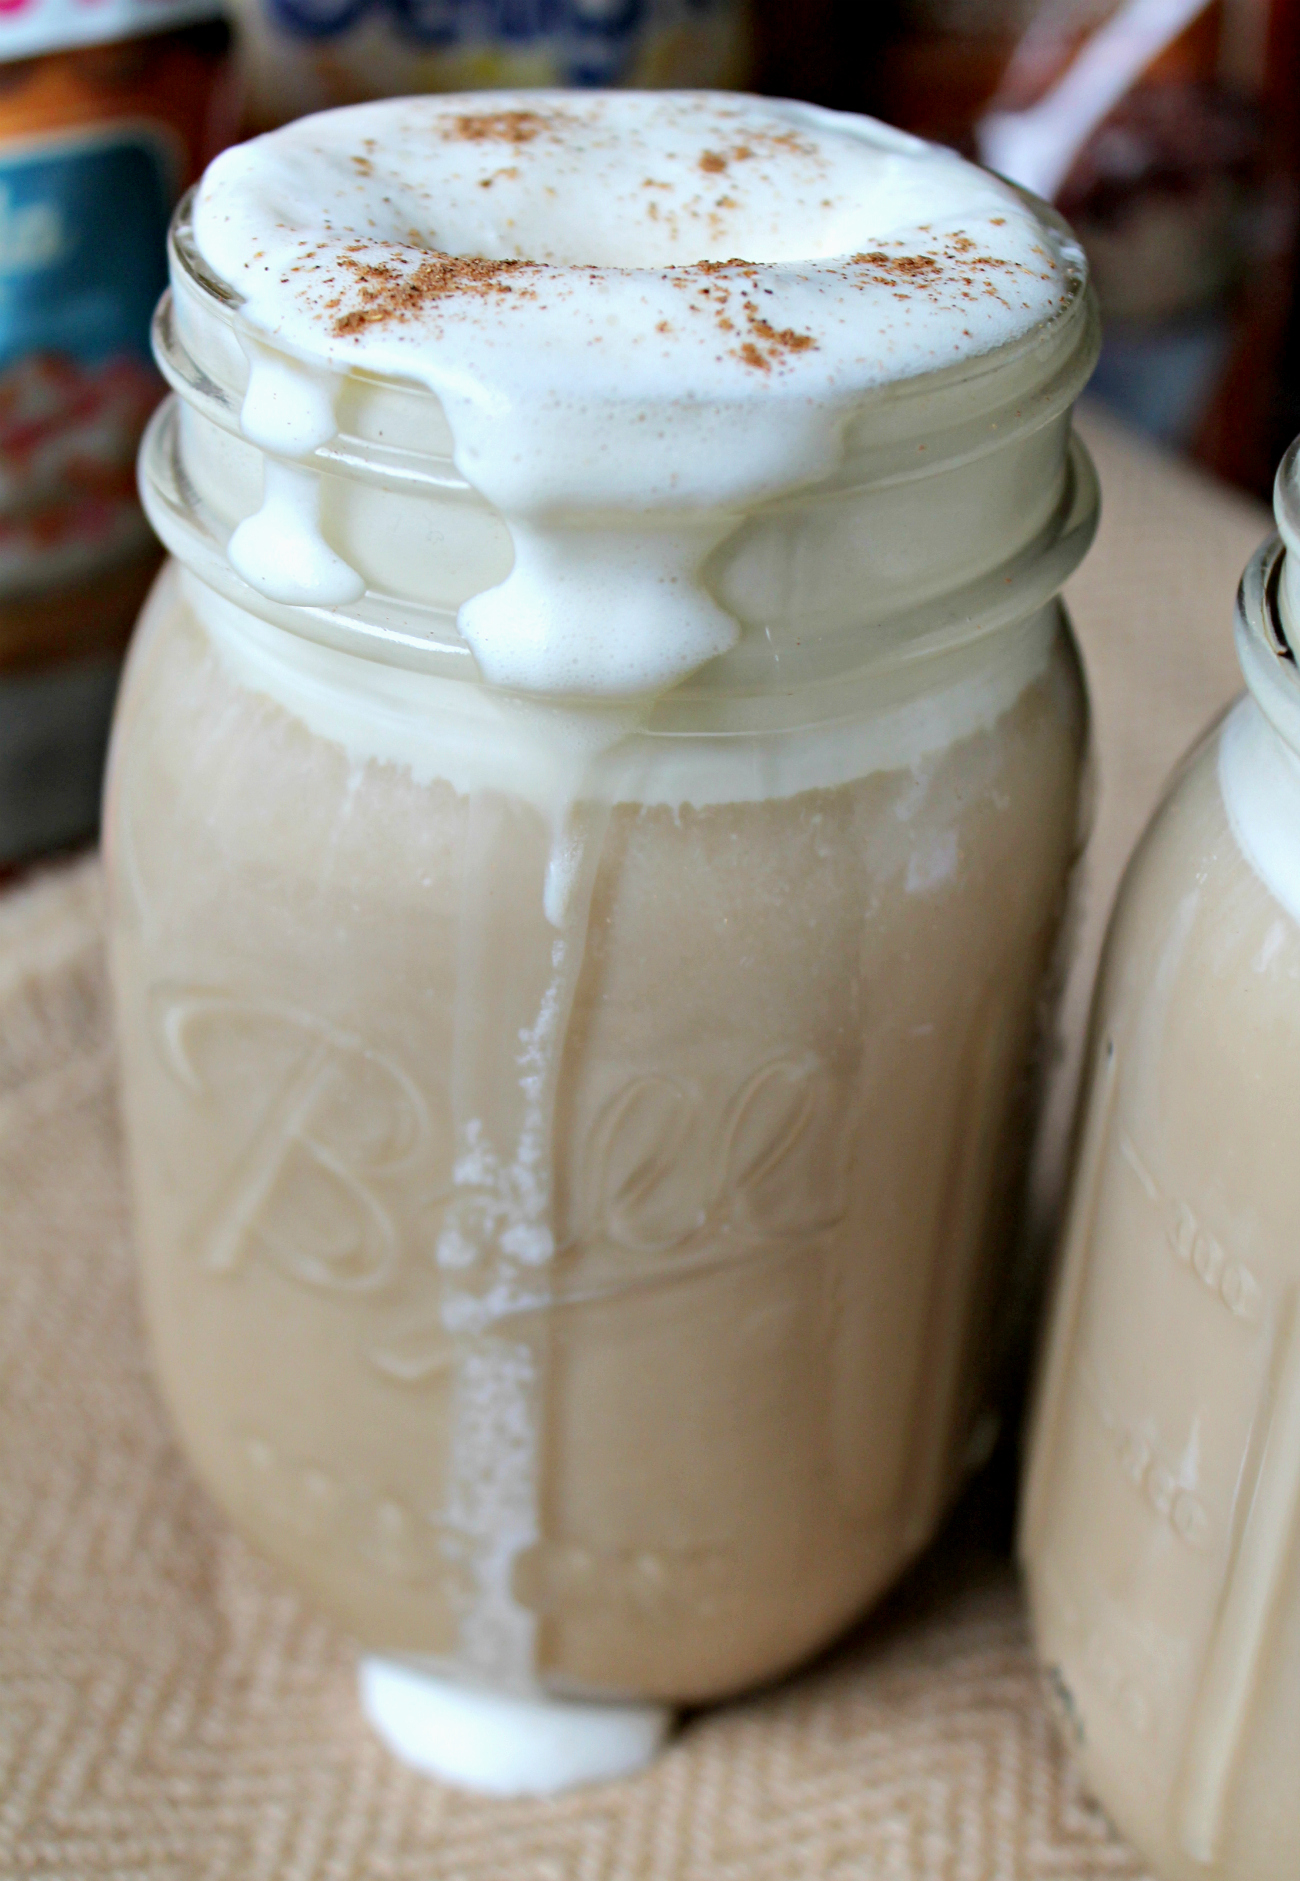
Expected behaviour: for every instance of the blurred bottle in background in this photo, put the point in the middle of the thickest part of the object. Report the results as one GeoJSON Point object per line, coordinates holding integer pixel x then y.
{"type": "Point", "coordinates": [108, 109]}
{"type": "Point", "coordinates": [304, 55]}
{"type": "Point", "coordinates": [1166, 130]}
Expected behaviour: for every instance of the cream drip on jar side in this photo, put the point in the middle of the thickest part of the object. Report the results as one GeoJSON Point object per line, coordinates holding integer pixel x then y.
{"type": "Point", "coordinates": [641, 314]}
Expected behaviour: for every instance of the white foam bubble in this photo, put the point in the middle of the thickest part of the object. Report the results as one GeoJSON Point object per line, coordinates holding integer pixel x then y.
{"type": "Point", "coordinates": [503, 1745]}
{"type": "Point", "coordinates": [618, 384]}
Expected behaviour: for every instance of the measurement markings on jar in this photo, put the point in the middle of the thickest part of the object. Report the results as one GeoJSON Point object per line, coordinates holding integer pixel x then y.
{"type": "Point", "coordinates": [1158, 1482]}
{"type": "Point", "coordinates": [1224, 1277]}
{"type": "Point", "coordinates": [1230, 1280]}
{"type": "Point", "coordinates": [630, 1586]}
{"type": "Point", "coordinates": [339, 1512]}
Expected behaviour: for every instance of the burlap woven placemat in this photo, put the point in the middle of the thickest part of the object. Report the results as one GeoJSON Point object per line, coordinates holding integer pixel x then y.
{"type": "Point", "coordinates": [169, 1709]}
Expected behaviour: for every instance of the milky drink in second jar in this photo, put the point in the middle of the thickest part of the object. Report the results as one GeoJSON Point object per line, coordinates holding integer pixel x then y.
{"type": "Point", "coordinates": [1162, 1527]}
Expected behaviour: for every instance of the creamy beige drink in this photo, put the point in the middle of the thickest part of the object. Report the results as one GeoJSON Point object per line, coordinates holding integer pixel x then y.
{"type": "Point", "coordinates": [589, 826]}
{"type": "Point", "coordinates": [749, 1354]}
{"type": "Point", "coordinates": [1161, 1532]}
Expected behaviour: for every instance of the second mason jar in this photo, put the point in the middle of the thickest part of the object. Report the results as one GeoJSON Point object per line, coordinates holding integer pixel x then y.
{"type": "Point", "coordinates": [575, 1128]}
{"type": "Point", "coordinates": [1161, 1532]}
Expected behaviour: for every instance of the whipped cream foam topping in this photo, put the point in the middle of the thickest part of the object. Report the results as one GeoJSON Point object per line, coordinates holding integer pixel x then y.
{"type": "Point", "coordinates": [642, 314]}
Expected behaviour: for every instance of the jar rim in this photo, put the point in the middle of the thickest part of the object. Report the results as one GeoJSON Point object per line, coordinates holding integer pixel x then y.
{"type": "Point", "coordinates": [1072, 331]}
{"type": "Point", "coordinates": [427, 640]}
{"type": "Point", "coordinates": [1267, 625]}
{"type": "Point", "coordinates": [1264, 651]}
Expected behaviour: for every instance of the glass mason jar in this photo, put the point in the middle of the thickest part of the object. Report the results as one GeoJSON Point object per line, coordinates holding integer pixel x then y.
{"type": "Point", "coordinates": [1161, 1529]}
{"type": "Point", "coordinates": [572, 1255]}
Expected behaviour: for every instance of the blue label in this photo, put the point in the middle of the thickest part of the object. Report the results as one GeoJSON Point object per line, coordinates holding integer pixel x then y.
{"type": "Point", "coordinates": [593, 38]}
{"type": "Point", "coordinates": [83, 245]}
{"type": "Point", "coordinates": [83, 259]}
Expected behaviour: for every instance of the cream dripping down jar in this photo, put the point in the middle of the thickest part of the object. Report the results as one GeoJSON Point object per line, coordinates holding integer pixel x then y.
{"type": "Point", "coordinates": [590, 815]}
{"type": "Point", "coordinates": [1161, 1527]}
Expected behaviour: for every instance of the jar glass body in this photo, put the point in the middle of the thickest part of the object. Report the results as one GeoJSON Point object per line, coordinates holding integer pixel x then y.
{"type": "Point", "coordinates": [787, 1124]}
{"type": "Point", "coordinates": [574, 1145]}
{"type": "Point", "coordinates": [1161, 1532]}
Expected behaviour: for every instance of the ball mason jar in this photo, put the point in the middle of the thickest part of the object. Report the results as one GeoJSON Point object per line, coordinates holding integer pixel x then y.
{"type": "Point", "coordinates": [571, 1252]}
{"type": "Point", "coordinates": [1161, 1529]}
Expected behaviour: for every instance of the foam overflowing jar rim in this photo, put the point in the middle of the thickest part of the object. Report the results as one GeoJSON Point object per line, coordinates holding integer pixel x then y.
{"type": "Point", "coordinates": [1067, 370]}
{"type": "Point", "coordinates": [1065, 345]}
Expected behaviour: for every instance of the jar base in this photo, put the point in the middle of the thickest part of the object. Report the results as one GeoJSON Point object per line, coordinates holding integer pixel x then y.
{"type": "Point", "coordinates": [502, 1745]}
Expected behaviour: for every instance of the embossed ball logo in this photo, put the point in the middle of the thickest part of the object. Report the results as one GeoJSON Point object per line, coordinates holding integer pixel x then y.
{"type": "Point", "coordinates": [332, 1163]}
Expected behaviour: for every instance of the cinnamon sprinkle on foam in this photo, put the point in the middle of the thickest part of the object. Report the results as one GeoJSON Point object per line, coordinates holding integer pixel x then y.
{"type": "Point", "coordinates": [501, 127]}
{"type": "Point", "coordinates": [388, 294]}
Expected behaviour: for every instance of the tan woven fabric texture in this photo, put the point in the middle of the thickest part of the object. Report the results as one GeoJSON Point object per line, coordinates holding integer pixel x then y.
{"type": "Point", "coordinates": [168, 1709]}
